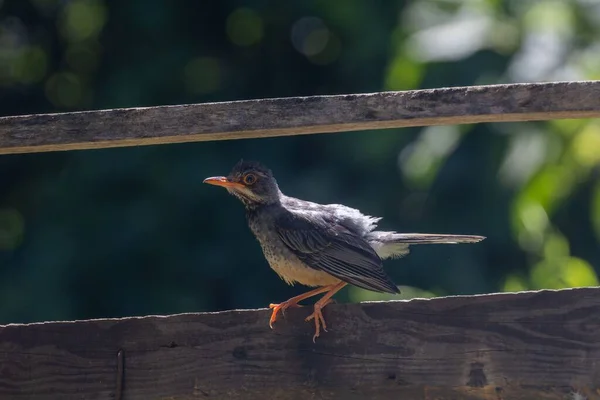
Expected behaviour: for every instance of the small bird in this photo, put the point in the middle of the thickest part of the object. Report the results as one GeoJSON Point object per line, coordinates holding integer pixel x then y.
{"type": "Point", "coordinates": [322, 246]}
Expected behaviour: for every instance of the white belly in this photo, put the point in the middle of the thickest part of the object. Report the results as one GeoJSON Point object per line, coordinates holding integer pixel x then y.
{"type": "Point", "coordinates": [283, 261]}
{"type": "Point", "coordinates": [292, 272]}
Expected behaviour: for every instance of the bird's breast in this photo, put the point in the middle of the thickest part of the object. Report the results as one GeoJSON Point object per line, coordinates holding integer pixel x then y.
{"type": "Point", "coordinates": [285, 263]}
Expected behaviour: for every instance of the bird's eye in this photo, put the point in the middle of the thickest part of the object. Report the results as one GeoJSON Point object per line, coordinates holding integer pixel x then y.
{"type": "Point", "coordinates": [249, 179]}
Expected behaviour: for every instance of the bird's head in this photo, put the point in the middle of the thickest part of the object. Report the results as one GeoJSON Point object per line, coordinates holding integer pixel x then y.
{"type": "Point", "coordinates": [250, 182]}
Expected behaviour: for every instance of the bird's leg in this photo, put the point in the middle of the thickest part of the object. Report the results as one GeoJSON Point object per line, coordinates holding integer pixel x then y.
{"type": "Point", "coordinates": [293, 302]}
{"type": "Point", "coordinates": [317, 315]}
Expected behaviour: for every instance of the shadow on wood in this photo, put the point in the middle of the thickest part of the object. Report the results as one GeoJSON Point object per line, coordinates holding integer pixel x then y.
{"type": "Point", "coordinates": [530, 345]}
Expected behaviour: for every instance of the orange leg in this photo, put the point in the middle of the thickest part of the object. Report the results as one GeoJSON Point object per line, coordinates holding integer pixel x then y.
{"type": "Point", "coordinates": [317, 315]}
{"type": "Point", "coordinates": [293, 302]}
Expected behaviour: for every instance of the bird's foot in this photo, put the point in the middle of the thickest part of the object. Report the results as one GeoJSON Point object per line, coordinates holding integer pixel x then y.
{"type": "Point", "coordinates": [280, 307]}
{"type": "Point", "coordinates": [317, 315]}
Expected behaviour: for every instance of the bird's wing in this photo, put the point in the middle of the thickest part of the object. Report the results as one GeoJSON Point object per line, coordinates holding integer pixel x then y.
{"type": "Point", "coordinates": [330, 247]}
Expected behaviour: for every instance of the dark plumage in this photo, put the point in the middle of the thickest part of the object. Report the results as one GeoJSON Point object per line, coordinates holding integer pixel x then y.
{"type": "Point", "coordinates": [324, 246]}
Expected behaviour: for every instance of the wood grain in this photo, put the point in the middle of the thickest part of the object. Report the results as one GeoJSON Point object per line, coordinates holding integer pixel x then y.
{"type": "Point", "coordinates": [530, 345]}
{"type": "Point", "coordinates": [298, 115]}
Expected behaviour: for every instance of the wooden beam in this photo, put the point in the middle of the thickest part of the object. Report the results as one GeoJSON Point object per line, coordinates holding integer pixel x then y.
{"type": "Point", "coordinates": [298, 115]}
{"type": "Point", "coordinates": [523, 346]}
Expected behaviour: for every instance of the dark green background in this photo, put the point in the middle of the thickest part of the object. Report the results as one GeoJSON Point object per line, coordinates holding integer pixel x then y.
{"type": "Point", "coordinates": [133, 231]}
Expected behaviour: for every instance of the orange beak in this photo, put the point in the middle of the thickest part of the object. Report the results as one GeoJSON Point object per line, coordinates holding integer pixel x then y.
{"type": "Point", "coordinates": [223, 181]}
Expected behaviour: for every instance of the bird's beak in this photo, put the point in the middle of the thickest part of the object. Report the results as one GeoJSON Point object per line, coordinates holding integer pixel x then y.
{"type": "Point", "coordinates": [223, 181]}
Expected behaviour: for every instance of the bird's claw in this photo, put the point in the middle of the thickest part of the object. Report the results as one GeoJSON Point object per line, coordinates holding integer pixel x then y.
{"type": "Point", "coordinates": [280, 307]}
{"type": "Point", "coordinates": [317, 315]}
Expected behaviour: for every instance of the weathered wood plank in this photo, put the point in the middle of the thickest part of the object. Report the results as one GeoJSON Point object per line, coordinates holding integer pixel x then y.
{"type": "Point", "coordinates": [298, 115]}
{"type": "Point", "coordinates": [530, 345]}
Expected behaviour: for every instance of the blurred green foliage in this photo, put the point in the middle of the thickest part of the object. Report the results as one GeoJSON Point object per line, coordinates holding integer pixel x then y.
{"type": "Point", "coordinates": [133, 231]}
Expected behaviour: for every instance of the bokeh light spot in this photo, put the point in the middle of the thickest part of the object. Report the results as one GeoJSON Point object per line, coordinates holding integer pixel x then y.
{"type": "Point", "coordinates": [420, 160]}
{"type": "Point", "coordinates": [82, 19]}
{"type": "Point", "coordinates": [578, 273]}
{"type": "Point", "coordinates": [31, 65]}
{"type": "Point", "coordinates": [554, 16]}
{"type": "Point", "coordinates": [586, 145]}
{"type": "Point", "coordinates": [315, 42]}
{"type": "Point", "coordinates": [12, 227]}
{"type": "Point", "coordinates": [403, 74]}
{"type": "Point", "coordinates": [532, 222]}
{"type": "Point", "coordinates": [330, 54]}
{"type": "Point", "coordinates": [310, 36]}
{"type": "Point", "coordinates": [244, 27]}
{"type": "Point", "coordinates": [202, 75]}
{"type": "Point", "coordinates": [556, 246]}
{"type": "Point", "coordinates": [515, 283]}
{"type": "Point", "coordinates": [563, 272]}
{"type": "Point", "coordinates": [64, 89]}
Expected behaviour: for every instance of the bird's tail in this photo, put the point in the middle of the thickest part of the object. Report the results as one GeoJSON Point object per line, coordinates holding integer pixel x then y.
{"type": "Point", "coordinates": [432, 238]}
{"type": "Point", "coordinates": [392, 244]}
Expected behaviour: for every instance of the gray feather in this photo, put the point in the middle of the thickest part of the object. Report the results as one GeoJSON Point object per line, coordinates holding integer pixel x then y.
{"type": "Point", "coordinates": [393, 245]}
{"type": "Point", "coordinates": [331, 247]}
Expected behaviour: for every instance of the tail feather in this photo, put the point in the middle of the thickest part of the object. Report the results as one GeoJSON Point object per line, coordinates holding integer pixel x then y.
{"type": "Point", "coordinates": [393, 245]}
{"type": "Point", "coordinates": [432, 238]}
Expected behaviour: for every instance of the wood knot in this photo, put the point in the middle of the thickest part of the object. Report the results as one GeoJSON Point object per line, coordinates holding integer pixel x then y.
{"type": "Point", "coordinates": [477, 377]}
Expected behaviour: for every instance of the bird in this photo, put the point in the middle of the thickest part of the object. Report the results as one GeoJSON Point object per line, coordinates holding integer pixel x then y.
{"type": "Point", "coordinates": [323, 246]}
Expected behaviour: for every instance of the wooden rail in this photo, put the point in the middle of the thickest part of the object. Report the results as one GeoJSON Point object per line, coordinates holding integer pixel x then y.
{"type": "Point", "coordinates": [523, 346]}
{"type": "Point", "coordinates": [298, 115]}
